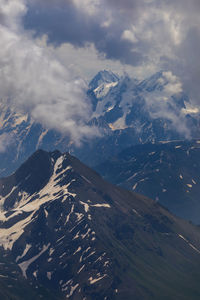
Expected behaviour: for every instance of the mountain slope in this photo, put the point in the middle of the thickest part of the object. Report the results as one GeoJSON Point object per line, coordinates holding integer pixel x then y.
{"type": "Point", "coordinates": [74, 233]}
{"type": "Point", "coordinates": [14, 286]}
{"type": "Point", "coordinates": [167, 172]}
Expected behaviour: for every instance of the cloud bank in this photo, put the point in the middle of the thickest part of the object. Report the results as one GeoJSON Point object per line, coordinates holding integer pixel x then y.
{"type": "Point", "coordinates": [32, 80]}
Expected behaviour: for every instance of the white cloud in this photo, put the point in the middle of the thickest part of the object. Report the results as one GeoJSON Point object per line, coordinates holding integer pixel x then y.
{"type": "Point", "coordinates": [35, 81]}
{"type": "Point", "coordinates": [160, 103]}
{"type": "Point", "coordinates": [174, 86]}
{"type": "Point", "coordinates": [129, 35]}
{"type": "Point", "coordinates": [88, 6]}
{"type": "Point", "coordinates": [5, 141]}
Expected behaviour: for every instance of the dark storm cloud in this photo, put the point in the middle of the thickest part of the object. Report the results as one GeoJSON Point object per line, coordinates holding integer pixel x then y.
{"type": "Point", "coordinates": [62, 23]}
{"type": "Point", "coordinates": [128, 30]}
{"type": "Point", "coordinates": [65, 22]}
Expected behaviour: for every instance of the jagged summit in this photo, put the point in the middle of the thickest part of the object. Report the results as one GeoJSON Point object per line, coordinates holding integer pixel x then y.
{"type": "Point", "coordinates": [103, 77]}
{"type": "Point", "coordinates": [155, 82]}
{"type": "Point", "coordinates": [33, 174]}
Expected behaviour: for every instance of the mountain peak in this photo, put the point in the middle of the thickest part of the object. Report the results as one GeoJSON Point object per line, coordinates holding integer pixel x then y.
{"type": "Point", "coordinates": [155, 82]}
{"type": "Point", "coordinates": [31, 177]}
{"type": "Point", "coordinates": [103, 77]}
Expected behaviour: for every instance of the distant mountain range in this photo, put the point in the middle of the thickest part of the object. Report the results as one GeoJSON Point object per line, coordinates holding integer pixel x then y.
{"type": "Point", "coordinates": [126, 111]}
{"type": "Point", "coordinates": [168, 172]}
{"type": "Point", "coordinates": [75, 236]}
{"type": "Point", "coordinates": [130, 112]}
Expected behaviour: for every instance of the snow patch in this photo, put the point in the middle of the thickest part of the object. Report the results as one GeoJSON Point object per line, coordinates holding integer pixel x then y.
{"type": "Point", "coordinates": [24, 265]}
{"type": "Point", "coordinates": [79, 271]}
{"type": "Point", "coordinates": [137, 213]}
{"type": "Point", "coordinates": [69, 215]}
{"type": "Point", "coordinates": [135, 185]}
{"type": "Point", "coordinates": [101, 205]}
{"type": "Point", "coordinates": [102, 90]}
{"type": "Point", "coordinates": [72, 290]}
{"type": "Point", "coordinates": [192, 246]}
{"type": "Point", "coordinates": [78, 250]}
{"type": "Point", "coordinates": [28, 246]}
{"type": "Point", "coordinates": [86, 206]}
{"type": "Point", "coordinates": [94, 280]}
{"type": "Point", "coordinates": [49, 274]}
{"type": "Point", "coordinates": [189, 185]}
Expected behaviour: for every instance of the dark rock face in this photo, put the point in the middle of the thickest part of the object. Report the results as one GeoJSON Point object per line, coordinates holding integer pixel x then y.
{"type": "Point", "coordinates": [80, 237]}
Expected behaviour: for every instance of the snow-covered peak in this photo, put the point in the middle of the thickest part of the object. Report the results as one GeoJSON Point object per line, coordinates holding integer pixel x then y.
{"type": "Point", "coordinates": [155, 82]}
{"type": "Point", "coordinates": [103, 89]}
{"type": "Point", "coordinates": [115, 100]}
{"type": "Point", "coordinates": [103, 77]}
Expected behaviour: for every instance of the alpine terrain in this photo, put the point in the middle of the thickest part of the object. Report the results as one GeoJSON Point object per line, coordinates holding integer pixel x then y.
{"type": "Point", "coordinates": [168, 172]}
{"type": "Point", "coordinates": [70, 233]}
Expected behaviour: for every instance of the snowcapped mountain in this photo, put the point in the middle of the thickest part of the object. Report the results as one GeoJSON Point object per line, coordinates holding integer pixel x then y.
{"type": "Point", "coordinates": [168, 172]}
{"type": "Point", "coordinates": [126, 111]}
{"type": "Point", "coordinates": [126, 102]}
{"type": "Point", "coordinates": [103, 77]}
{"type": "Point", "coordinates": [130, 112]}
{"type": "Point", "coordinates": [80, 237]}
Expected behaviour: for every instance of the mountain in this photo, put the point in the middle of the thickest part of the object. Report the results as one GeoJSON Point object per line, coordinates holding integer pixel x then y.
{"type": "Point", "coordinates": [80, 237]}
{"type": "Point", "coordinates": [126, 112]}
{"type": "Point", "coordinates": [103, 77]}
{"type": "Point", "coordinates": [167, 172]}
{"type": "Point", "coordinates": [22, 136]}
{"type": "Point", "coordinates": [130, 112]}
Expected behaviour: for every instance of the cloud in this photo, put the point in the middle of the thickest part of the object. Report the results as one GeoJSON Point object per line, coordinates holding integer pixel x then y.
{"type": "Point", "coordinates": [78, 26]}
{"type": "Point", "coordinates": [160, 33]}
{"type": "Point", "coordinates": [33, 81]}
{"type": "Point", "coordinates": [5, 141]}
{"type": "Point", "coordinates": [129, 35]}
{"type": "Point", "coordinates": [166, 103]}
{"type": "Point", "coordinates": [173, 86]}
{"type": "Point", "coordinates": [146, 34]}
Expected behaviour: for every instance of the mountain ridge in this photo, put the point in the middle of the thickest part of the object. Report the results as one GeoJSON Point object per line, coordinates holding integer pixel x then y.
{"type": "Point", "coordinates": [77, 234]}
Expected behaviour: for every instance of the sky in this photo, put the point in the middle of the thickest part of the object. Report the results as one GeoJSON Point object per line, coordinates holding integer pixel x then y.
{"type": "Point", "coordinates": [147, 35]}
{"type": "Point", "coordinates": [50, 49]}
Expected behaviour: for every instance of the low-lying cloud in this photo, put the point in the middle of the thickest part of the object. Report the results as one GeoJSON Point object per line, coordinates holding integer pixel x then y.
{"type": "Point", "coordinates": [6, 140]}
{"type": "Point", "coordinates": [166, 103]}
